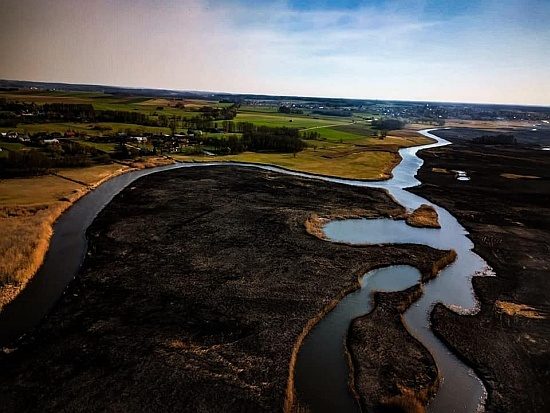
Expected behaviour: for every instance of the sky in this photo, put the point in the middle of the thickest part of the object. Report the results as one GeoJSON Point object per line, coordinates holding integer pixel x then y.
{"type": "Point", "coordinates": [447, 50]}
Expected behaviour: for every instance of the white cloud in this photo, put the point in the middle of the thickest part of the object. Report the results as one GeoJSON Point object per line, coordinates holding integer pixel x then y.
{"type": "Point", "coordinates": [272, 48]}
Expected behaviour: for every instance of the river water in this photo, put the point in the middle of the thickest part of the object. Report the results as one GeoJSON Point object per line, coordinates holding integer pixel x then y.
{"type": "Point", "coordinates": [460, 390]}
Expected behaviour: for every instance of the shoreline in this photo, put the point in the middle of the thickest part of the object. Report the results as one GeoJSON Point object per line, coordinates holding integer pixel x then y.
{"type": "Point", "coordinates": [254, 335]}
{"type": "Point", "coordinates": [10, 290]}
{"type": "Point", "coordinates": [513, 239]}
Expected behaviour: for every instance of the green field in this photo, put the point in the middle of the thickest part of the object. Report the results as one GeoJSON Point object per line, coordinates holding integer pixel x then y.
{"type": "Point", "coordinates": [104, 147]}
{"type": "Point", "coordinates": [360, 165]}
{"type": "Point", "coordinates": [87, 128]}
{"type": "Point", "coordinates": [101, 101]}
{"type": "Point", "coordinates": [331, 128]}
{"type": "Point", "coordinates": [334, 129]}
{"type": "Point", "coordinates": [11, 146]}
{"type": "Point", "coordinates": [368, 158]}
{"type": "Point", "coordinates": [292, 121]}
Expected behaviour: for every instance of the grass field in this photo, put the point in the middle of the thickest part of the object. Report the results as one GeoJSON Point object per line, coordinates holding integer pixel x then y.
{"type": "Point", "coordinates": [331, 128]}
{"type": "Point", "coordinates": [291, 121]}
{"type": "Point", "coordinates": [360, 165]}
{"type": "Point", "coordinates": [9, 146]}
{"type": "Point", "coordinates": [105, 147]}
{"type": "Point", "coordinates": [93, 174]}
{"type": "Point", "coordinates": [101, 101]}
{"type": "Point", "coordinates": [366, 158]}
{"type": "Point", "coordinates": [336, 161]}
{"type": "Point", "coordinates": [40, 190]}
{"type": "Point", "coordinates": [28, 209]}
{"type": "Point", "coordinates": [87, 128]}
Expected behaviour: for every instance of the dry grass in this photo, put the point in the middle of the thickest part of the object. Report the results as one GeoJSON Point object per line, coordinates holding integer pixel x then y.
{"type": "Point", "coordinates": [365, 158]}
{"type": "Point", "coordinates": [23, 245]}
{"type": "Point", "coordinates": [514, 176]}
{"type": "Point", "coordinates": [515, 309]}
{"type": "Point", "coordinates": [314, 223]}
{"type": "Point", "coordinates": [35, 191]}
{"type": "Point", "coordinates": [28, 209]}
{"type": "Point", "coordinates": [404, 403]}
{"type": "Point", "coordinates": [489, 124]}
{"type": "Point", "coordinates": [358, 164]}
{"type": "Point", "coordinates": [94, 174]}
{"type": "Point", "coordinates": [425, 216]}
{"type": "Point", "coordinates": [151, 162]}
{"type": "Point", "coordinates": [437, 266]}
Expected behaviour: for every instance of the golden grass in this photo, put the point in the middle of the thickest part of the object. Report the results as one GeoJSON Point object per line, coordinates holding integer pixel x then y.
{"type": "Point", "coordinates": [369, 165]}
{"type": "Point", "coordinates": [425, 216]}
{"type": "Point", "coordinates": [404, 403]}
{"type": "Point", "coordinates": [93, 174]}
{"type": "Point", "coordinates": [367, 158]}
{"type": "Point", "coordinates": [447, 259]}
{"type": "Point", "coordinates": [515, 309]}
{"type": "Point", "coordinates": [151, 162]}
{"type": "Point", "coordinates": [514, 176]}
{"type": "Point", "coordinates": [487, 124]}
{"type": "Point", "coordinates": [23, 245]}
{"type": "Point", "coordinates": [28, 209]}
{"type": "Point", "coordinates": [35, 191]}
{"type": "Point", "coordinates": [314, 225]}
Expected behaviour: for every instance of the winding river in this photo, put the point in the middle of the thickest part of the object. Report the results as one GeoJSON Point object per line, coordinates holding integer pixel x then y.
{"type": "Point", "coordinates": [460, 389]}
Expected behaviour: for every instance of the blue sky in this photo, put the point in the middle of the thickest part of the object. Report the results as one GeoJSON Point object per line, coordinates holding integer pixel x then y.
{"type": "Point", "coordinates": [475, 51]}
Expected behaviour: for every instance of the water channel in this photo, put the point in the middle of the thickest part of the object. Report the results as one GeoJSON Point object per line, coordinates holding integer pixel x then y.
{"type": "Point", "coordinates": [460, 390]}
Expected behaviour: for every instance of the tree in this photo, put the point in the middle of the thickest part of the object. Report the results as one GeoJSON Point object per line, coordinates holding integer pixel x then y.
{"type": "Point", "coordinates": [173, 125]}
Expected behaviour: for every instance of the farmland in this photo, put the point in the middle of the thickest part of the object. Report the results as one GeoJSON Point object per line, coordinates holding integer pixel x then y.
{"type": "Point", "coordinates": [344, 146]}
{"type": "Point", "coordinates": [368, 159]}
{"type": "Point", "coordinates": [89, 151]}
{"type": "Point", "coordinates": [183, 108]}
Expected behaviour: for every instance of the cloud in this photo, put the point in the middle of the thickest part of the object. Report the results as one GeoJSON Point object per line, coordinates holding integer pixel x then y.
{"type": "Point", "coordinates": [384, 49]}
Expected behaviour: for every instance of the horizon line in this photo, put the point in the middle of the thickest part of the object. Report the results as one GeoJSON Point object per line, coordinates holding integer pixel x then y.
{"type": "Point", "coordinates": [274, 95]}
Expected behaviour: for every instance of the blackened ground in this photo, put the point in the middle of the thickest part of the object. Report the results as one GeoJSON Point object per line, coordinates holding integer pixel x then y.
{"type": "Point", "coordinates": [196, 286]}
{"type": "Point", "coordinates": [508, 218]}
{"type": "Point", "coordinates": [526, 136]}
{"type": "Point", "coordinates": [389, 364]}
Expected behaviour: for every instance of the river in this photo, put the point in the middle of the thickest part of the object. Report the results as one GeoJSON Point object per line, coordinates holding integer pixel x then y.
{"type": "Point", "coordinates": [460, 389]}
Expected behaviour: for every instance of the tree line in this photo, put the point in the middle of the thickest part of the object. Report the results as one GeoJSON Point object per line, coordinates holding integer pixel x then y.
{"type": "Point", "coordinates": [259, 139]}
{"type": "Point", "coordinates": [388, 124]}
{"type": "Point", "coordinates": [38, 162]}
{"type": "Point", "coordinates": [11, 114]}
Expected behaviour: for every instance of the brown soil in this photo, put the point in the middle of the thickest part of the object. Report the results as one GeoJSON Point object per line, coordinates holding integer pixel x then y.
{"type": "Point", "coordinates": [425, 216]}
{"type": "Point", "coordinates": [509, 223]}
{"type": "Point", "coordinates": [196, 287]}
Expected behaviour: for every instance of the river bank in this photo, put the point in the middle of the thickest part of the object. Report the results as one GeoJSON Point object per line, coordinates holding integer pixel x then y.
{"type": "Point", "coordinates": [207, 298]}
{"type": "Point", "coordinates": [29, 207]}
{"type": "Point", "coordinates": [507, 342]}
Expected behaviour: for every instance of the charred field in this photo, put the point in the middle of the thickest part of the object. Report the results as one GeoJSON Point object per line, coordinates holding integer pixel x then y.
{"type": "Point", "coordinates": [506, 208]}
{"type": "Point", "coordinates": [196, 287]}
